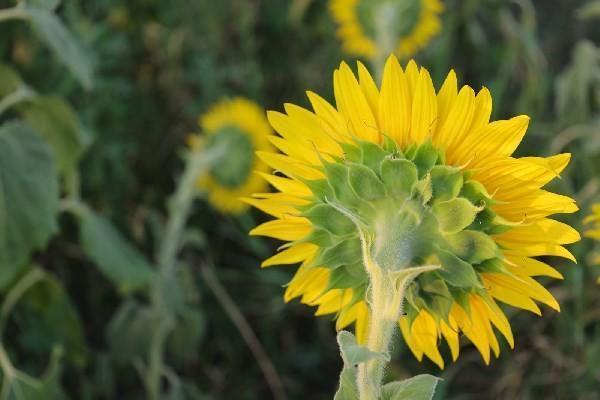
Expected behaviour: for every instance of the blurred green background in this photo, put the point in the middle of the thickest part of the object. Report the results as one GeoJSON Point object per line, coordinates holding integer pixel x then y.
{"type": "Point", "coordinates": [157, 65]}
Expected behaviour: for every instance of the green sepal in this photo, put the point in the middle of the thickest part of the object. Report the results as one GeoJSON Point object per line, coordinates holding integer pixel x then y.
{"type": "Point", "coordinates": [391, 146]}
{"type": "Point", "coordinates": [320, 188]}
{"type": "Point", "coordinates": [337, 175]}
{"type": "Point", "coordinates": [446, 182]}
{"type": "Point", "coordinates": [473, 246]}
{"type": "Point", "coordinates": [347, 276]}
{"type": "Point", "coordinates": [372, 155]}
{"type": "Point", "coordinates": [320, 237]}
{"type": "Point", "coordinates": [494, 265]}
{"type": "Point", "coordinates": [351, 152]}
{"type": "Point", "coordinates": [426, 156]}
{"type": "Point", "coordinates": [399, 177]}
{"type": "Point", "coordinates": [365, 182]}
{"type": "Point", "coordinates": [343, 253]}
{"type": "Point", "coordinates": [455, 215]}
{"type": "Point", "coordinates": [328, 218]}
{"type": "Point", "coordinates": [455, 271]}
{"type": "Point", "coordinates": [425, 189]}
{"type": "Point", "coordinates": [476, 193]}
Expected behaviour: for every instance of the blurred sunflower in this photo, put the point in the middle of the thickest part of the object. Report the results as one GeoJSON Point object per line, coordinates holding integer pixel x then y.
{"type": "Point", "coordinates": [408, 24]}
{"type": "Point", "coordinates": [240, 127]}
{"type": "Point", "coordinates": [594, 231]}
{"type": "Point", "coordinates": [432, 181]}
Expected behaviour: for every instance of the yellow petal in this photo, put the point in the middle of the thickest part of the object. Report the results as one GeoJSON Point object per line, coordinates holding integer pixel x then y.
{"type": "Point", "coordinates": [353, 105]}
{"type": "Point", "coordinates": [424, 331]}
{"type": "Point", "coordinates": [446, 97]}
{"type": "Point", "coordinates": [286, 185]}
{"type": "Point", "coordinates": [294, 254]}
{"type": "Point", "coordinates": [458, 121]}
{"type": "Point", "coordinates": [289, 166]}
{"type": "Point", "coordinates": [394, 102]}
{"type": "Point", "coordinates": [530, 267]}
{"type": "Point", "coordinates": [410, 339]}
{"type": "Point", "coordinates": [424, 109]}
{"type": "Point", "coordinates": [289, 228]}
{"type": "Point", "coordinates": [368, 87]}
{"type": "Point", "coordinates": [506, 293]}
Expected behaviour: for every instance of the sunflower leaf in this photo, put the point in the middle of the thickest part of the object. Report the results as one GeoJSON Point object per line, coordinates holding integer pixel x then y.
{"type": "Point", "coordinates": [420, 387]}
{"type": "Point", "coordinates": [352, 355]}
{"type": "Point", "coordinates": [28, 196]}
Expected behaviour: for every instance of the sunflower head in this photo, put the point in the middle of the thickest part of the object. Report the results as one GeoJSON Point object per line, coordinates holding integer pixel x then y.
{"type": "Point", "coordinates": [405, 26]}
{"type": "Point", "coordinates": [236, 128]}
{"type": "Point", "coordinates": [402, 176]}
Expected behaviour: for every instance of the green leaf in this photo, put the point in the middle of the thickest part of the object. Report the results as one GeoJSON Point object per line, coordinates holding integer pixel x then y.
{"type": "Point", "coordinates": [446, 182]}
{"type": "Point", "coordinates": [117, 259]}
{"type": "Point", "coordinates": [399, 176]}
{"type": "Point", "coordinates": [28, 196]}
{"type": "Point", "coordinates": [127, 332]}
{"type": "Point", "coordinates": [420, 387]}
{"type": "Point", "coordinates": [56, 121]}
{"type": "Point", "coordinates": [352, 355]}
{"type": "Point", "coordinates": [473, 246]}
{"type": "Point", "coordinates": [188, 333]}
{"type": "Point", "coordinates": [51, 30]}
{"type": "Point", "coordinates": [46, 387]}
{"type": "Point", "coordinates": [365, 182]}
{"type": "Point", "coordinates": [454, 215]}
{"type": "Point", "coordinates": [49, 318]}
{"type": "Point", "coordinates": [457, 272]}
{"type": "Point", "coordinates": [10, 80]}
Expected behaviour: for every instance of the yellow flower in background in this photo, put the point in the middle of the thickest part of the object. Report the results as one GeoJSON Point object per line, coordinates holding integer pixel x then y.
{"type": "Point", "coordinates": [594, 231]}
{"type": "Point", "coordinates": [239, 126]}
{"type": "Point", "coordinates": [411, 24]}
{"type": "Point", "coordinates": [433, 181]}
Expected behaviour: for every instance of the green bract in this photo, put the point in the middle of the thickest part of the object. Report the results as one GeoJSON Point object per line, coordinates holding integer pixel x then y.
{"type": "Point", "coordinates": [236, 163]}
{"type": "Point", "coordinates": [409, 209]}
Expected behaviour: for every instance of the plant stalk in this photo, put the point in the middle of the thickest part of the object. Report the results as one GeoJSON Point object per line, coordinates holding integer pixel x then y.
{"type": "Point", "coordinates": [179, 207]}
{"type": "Point", "coordinates": [385, 310]}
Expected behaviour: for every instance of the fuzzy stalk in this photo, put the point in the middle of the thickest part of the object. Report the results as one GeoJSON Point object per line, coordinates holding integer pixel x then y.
{"type": "Point", "coordinates": [386, 295]}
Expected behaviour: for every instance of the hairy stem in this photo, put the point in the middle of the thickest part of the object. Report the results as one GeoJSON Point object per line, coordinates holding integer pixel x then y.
{"type": "Point", "coordinates": [386, 294]}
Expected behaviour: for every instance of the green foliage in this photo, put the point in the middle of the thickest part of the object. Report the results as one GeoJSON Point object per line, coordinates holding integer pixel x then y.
{"type": "Point", "coordinates": [118, 260]}
{"type": "Point", "coordinates": [157, 65]}
{"type": "Point", "coordinates": [28, 196]}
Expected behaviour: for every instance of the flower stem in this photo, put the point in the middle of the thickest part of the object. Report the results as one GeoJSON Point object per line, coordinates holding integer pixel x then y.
{"type": "Point", "coordinates": [386, 307]}
{"type": "Point", "coordinates": [385, 17]}
{"type": "Point", "coordinates": [179, 207]}
{"type": "Point", "coordinates": [386, 295]}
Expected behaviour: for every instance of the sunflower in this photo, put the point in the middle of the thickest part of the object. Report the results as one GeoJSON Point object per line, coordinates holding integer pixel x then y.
{"type": "Point", "coordinates": [594, 231]}
{"type": "Point", "coordinates": [240, 128]}
{"type": "Point", "coordinates": [408, 24]}
{"type": "Point", "coordinates": [435, 182]}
